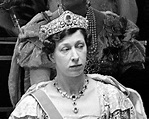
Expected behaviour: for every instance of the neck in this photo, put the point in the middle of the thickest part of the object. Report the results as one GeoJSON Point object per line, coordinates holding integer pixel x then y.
{"type": "Point", "coordinates": [71, 85]}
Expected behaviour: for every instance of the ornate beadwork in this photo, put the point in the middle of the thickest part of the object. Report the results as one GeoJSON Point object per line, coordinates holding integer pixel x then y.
{"type": "Point", "coordinates": [92, 28]}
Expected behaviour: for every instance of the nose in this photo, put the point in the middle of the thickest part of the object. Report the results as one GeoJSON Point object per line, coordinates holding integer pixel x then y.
{"type": "Point", "coordinates": [75, 56]}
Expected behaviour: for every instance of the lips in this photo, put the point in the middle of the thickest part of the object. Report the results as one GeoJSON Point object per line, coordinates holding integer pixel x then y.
{"type": "Point", "coordinates": [75, 66]}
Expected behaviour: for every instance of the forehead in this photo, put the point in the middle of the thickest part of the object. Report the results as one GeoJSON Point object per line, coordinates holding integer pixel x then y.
{"type": "Point", "coordinates": [73, 38]}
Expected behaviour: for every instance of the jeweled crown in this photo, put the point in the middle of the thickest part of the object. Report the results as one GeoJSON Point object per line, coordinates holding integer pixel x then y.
{"type": "Point", "coordinates": [66, 21]}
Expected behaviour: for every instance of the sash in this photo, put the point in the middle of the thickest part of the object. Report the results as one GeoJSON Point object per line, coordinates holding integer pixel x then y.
{"type": "Point", "coordinates": [46, 104]}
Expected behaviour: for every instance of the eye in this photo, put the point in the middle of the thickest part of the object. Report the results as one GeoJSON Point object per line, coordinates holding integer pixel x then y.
{"type": "Point", "coordinates": [64, 49]}
{"type": "Point", "coordinates": [80, 45]}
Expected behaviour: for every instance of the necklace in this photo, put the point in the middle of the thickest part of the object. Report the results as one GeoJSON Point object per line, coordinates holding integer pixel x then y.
{"type": "Point", "coordinates": [73, 97]}
{"type": "Point", "coordinates": [92, 28]}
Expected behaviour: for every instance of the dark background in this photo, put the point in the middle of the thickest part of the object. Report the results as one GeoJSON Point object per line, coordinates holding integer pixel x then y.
{"type": "Point", "coordinates": [140, 81]}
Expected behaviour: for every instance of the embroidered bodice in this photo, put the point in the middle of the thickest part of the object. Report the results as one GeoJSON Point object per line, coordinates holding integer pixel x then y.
{"type": "Point", "coordinates": [99, 101]}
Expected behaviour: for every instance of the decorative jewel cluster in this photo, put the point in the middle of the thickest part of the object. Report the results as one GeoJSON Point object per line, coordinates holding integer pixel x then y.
{"type": "Point", "coordinates": [66, 21]}
{"type": "Point", "coordinates": [73, 97]}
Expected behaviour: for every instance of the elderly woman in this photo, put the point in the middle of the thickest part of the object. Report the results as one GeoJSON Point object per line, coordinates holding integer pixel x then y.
{"type": "Point", "coordinates": [72, 93]}
{"type": "Point", "coordinates": [113, 50]}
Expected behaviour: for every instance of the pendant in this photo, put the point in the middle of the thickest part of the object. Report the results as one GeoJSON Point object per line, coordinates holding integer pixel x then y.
{"type": "Point", "coordinates": [74, 103]}
{"type": "Point", "coordinates": [75, 110]}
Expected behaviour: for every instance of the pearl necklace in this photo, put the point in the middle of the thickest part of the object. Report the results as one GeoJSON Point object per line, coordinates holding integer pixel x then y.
{"type": "Point", "coordinates": [93, 30]}
{"type": "Point", "coordinates": [73, 97]}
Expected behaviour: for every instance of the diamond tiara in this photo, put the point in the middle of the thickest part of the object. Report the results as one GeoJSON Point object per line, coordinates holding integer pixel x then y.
{"type": "Point", "coordinates": [66, 21]}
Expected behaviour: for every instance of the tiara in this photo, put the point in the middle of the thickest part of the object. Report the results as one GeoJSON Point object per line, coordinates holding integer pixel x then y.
{"type": "Point", "coordinates": [66, 21]}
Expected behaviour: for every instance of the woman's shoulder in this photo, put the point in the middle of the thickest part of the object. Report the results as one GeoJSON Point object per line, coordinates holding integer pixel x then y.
{"type": "Point", "coordinates": [28, 104]}
{"type": "Point", "coordinates": [108, 80]}
{"type": "Point", "coordinates": [118, 96]}
{"type": "Point", "coordinates": [112, 94]}
{"type": "Point", "coordinates": [34, 88]}
{"type": "Point", "coordinates": [105, 81]}
{"type": "Point", "coordinates": [108, 83]}
{"type": "Point", "coordinates": [25, 107]}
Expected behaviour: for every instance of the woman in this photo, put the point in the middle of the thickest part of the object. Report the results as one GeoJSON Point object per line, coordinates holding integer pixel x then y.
{"type": "Point", "coordinates": [113, 50]}
{"type": "Point", "coordinates": [72, 93]}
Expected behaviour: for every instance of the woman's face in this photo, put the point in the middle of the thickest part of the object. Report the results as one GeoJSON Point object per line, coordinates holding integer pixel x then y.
{"type": "Point", "coordinates": [70, 55]}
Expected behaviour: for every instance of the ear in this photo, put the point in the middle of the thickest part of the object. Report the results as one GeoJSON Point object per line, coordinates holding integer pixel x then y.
{"type": "Point", "coordinates": [51, 57]}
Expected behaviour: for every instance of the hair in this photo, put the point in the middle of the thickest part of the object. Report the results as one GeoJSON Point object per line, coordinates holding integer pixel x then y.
{"type": "Point", "coordinates": [50, 42]}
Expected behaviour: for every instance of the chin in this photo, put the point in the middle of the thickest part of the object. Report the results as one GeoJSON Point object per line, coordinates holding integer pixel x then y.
{"type": "Point", "coordinates": [76, 74]}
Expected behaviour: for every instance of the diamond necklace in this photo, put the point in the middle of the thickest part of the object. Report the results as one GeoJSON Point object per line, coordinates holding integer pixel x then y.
{"type": "Point", "coordinates": [73, 97]}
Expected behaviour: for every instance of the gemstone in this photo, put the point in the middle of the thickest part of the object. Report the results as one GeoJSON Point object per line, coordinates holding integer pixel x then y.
{"type": "Point", "coordinates": [75, 110]}
{"type": "Point", "coordinates": [74, 97]}
{"type": "Point", "coordinates": [74, 103]}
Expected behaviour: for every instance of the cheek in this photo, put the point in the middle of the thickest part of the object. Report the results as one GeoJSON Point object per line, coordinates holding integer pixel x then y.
{"type": "Point", "coordinates": [84, 55]}
{"type": "Point", "coordinates": [85, 51]}
{"type": "Point", "coordinates": [61, 60]}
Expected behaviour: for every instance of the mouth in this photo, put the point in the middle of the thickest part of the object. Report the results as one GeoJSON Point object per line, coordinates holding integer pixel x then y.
{"type": "Point", "coordinates": [78, 66]}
